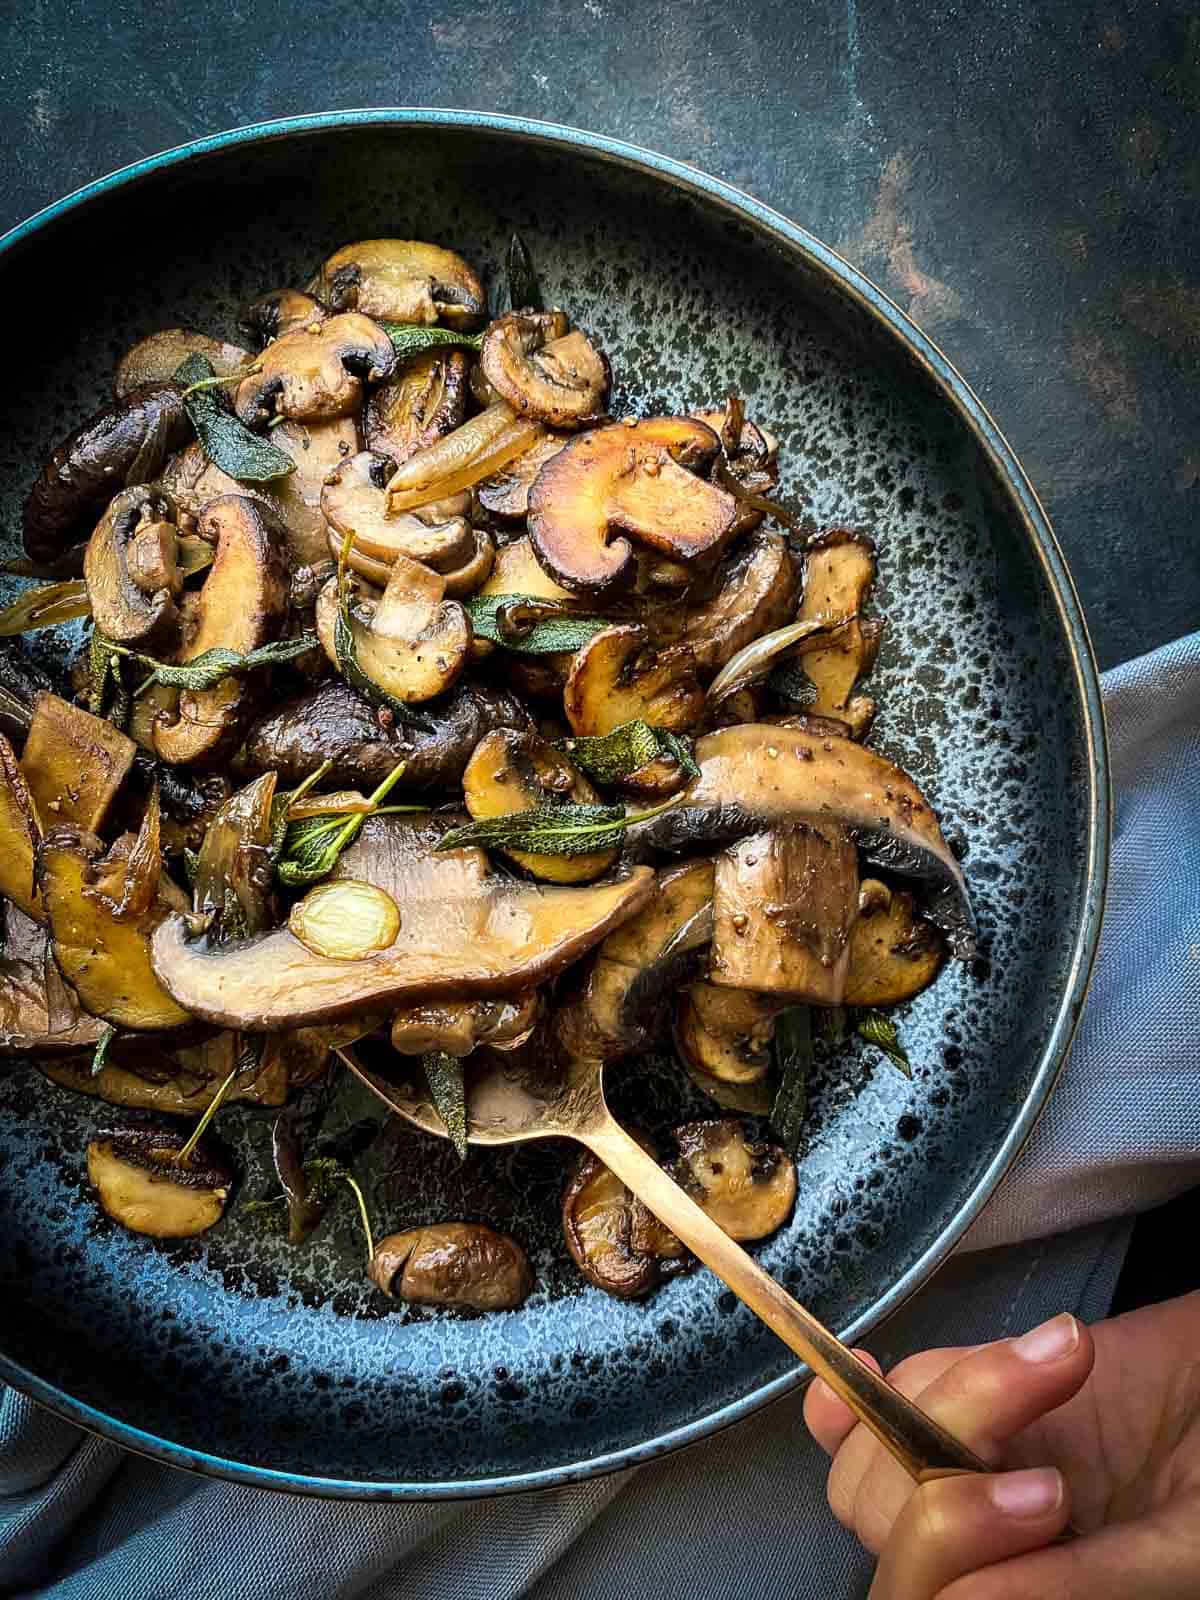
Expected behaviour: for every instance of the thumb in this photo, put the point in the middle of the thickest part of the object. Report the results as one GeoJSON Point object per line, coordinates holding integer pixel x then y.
{"type": "Point", "coordinates": [953, 1526]}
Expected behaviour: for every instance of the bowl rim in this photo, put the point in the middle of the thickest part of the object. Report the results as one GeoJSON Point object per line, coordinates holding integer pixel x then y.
{"type": "Point", "coordinates": [971, 411]}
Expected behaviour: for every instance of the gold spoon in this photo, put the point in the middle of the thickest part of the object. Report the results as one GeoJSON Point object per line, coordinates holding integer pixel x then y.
{"type": "Point", "coordinates": [513, 1097]}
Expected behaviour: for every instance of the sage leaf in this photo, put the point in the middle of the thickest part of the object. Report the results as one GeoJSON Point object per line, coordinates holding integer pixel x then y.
{"type": "Point", "coordinates": [610, 757]}
{"type": "Point", "coordinates": [320, 1178]}
{"type": "Point", "coordinates": [98, 1059]}
{"type": "Point", "coordinates": [444, 1074]}
{"type": "Point", "coordinates": [205, 671]}
{"type": "Point", "coordinates": [45, 607]}
{"type": "Point", "coordinates": [794, 1058]}
{"type": "Point", "coordinates": [310, 848]}
{"type": "Point", "coordinates": [224, 437]}
{"type": "Point", "coordinates": [524, 290]}
{"type": "Point", "coordinates": [413, 339]}
{"type": "Point", "coordinates": [551, 830]}
{"type": "Point", "coordinates": [529, 624]}
{"type": "Point", "coordinates": [877, 1029]}
{"type": "Point", "coordinates": [107, 695]}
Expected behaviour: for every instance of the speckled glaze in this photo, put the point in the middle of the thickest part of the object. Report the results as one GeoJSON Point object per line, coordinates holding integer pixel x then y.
{"type": "Point", "coordinates": [240, 1356]}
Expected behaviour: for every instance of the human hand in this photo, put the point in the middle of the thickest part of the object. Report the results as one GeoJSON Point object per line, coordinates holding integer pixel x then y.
{"type": "Point", "coordinates": [1098, 1427]}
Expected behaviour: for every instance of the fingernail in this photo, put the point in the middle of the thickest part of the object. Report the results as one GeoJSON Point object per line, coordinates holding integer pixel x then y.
{"type": "Point", "coordinates": [1050, 1341]}
{"type": "Point", "coordinates": [1034, 1493]}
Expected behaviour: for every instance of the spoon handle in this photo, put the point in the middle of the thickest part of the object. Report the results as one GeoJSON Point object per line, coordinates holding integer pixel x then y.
{"type": "Point", "coordinates": [921, 1446]}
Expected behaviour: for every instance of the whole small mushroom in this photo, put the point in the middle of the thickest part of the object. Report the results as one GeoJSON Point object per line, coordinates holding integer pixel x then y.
{"type": "Point", "coordinates": [465, 1265]}
{"type": "Point", "coordinates": [402, 280]}
{"type": "Point", "coordinates": [316, 372]}
{"type": "Point", "coordinates": [544, 372]}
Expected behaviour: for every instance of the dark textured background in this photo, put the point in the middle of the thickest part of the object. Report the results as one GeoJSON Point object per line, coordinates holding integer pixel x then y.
{"type": "Point", "coordinates": [1022, 178]}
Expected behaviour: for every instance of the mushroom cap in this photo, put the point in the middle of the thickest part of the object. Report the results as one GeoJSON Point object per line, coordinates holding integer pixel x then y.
{"type": "Point", "coordinates": [463, 1264]}
{"type": "Point", "coordinates": [747, 1187]}
{"type": "Point", "coordinates": [402, 280]}
{"type": "Point", "coordinates": [506, 495]}
{"type": "Point", "coordinates": [614, 1240]}
{"type": "Point", "coordinates": [314, 374]}
{"type": "Point", "coordinates": [619, 676]}
{"type": "Point", "coordinates": [140, 1183]}
{"type": "Point", "coordinates": [157, 358]}
{"type": "Point", "coordinates": [544, 372]}
{"type": "Point", "coordinates": [354, 501]}
{"type": "Point", "coordinates": [277, 312]}
{"type": "Point", "coordinates": [123, 608]}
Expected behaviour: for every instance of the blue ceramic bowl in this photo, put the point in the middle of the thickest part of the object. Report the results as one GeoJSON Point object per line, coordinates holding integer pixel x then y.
{"type": "Point", "coordinates": [240, 1357]}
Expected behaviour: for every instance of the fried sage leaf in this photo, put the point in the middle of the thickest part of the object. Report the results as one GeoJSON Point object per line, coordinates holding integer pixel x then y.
{"type": "Point", "coordinates": [794, 1058]}
{"type": "Point", "coordinates": [610, 757]}
{"type": "Point", "coordinates": [310, 848]}
{"type": "Point", "coordinates": [412, 339]}
{"type": "Point", "coordinates": [347, 660]}
{"type": "Point", "coordinates": [207, 670]}
{"type": "Point", "coordinates": [530, 624]}
{"type": "Point", "coordinates": [524, 290]}
{"type": "Point", "coordinates": [881, 1031]}
{"type": "Point", "coordinates": [224, 438]}
{"type": "Point", "coordinates": [551, 830]}
{"type": "Point", "coordinates": [444, 1074]}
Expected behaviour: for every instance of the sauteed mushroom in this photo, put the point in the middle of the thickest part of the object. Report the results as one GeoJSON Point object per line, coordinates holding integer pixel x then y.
{"type": "Point", "coordinates": [839, 571]}
{"type": "Point", "coordinates": [131, 570]}
{"type": "Point", "coordinates": [544, 372]}
{"type": "Point", "coordinates": [142, 1185]}
{"type": "Point", "coordinates": [157, 358]}
{"type": "Point", "coordinates": [619, 676]}
{"type": "Point", "coordinates": [402, 280]}
{"type": "Point", "coordinates": [354, 501]}
{"type": "Point", "coordinates": [316, 372]}
{"type": "Point", "coordinates": [747, 1187]}
{"type": "Point", "coordinates": [462, 1264]}
{"type": "Point", "coordinates": [616, 1243]}
{"type": "Point", "coordinates": [425, 400]}
{"type": "Point", "coordinates": [411, 642]}
{"type": "Point", "coordinates": [279, 312]}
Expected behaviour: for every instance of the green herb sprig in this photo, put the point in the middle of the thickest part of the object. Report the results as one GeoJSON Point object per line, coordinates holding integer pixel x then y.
{"type": "Point", "coordinates": [224, 437]}
{"type": "Point", "coordinates": [311, 847]}
{"type": "Point", "coordinates": [877, 1029]}
{"type": "Point", "coordinates": [794, 1059]}
{"type": "Point", "coordinates": [530, 624]}
{"type": "Point", "coordinates": [444, 1074]}
{"type": "Point", "coordinates": [323, 1174]}
{"type": "Point", "coordinates": [551, 830]}
{"type": "Point", "coordinates": [101, 1054]}
{"type": "Point", "coordinates": [412, 339]}
{"type": "Point", "coordinates": [610, 757]}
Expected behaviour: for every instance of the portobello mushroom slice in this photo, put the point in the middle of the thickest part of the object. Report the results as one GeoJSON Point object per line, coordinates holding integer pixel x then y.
{"type": "Point", "coordinates": [753, 593]}
{"type": "Point", "coordinates": [74, 764]}
{"type": "Point", "coordinates": [511, 772]}
{"type": "Point", "coordinates": [839, 572]}
{"type": "Point", "coordinates": [19, 834]}
{"type": "Point", "coordinates": [39, 1014]}
{"type": "Point", "coordinates": [412, 643]}
{"type": "Point", "coordinates": [402, 280]}
{"type": "Point", "coordinates": [141, 1183]}
{"type": "Point", "coordinates": [755, 776]}
{"type": "Point", "coordinates": [747, 1186]}
{"type": "Point", "coordinates": [620, 676]}
{"type": "Point", "coordinates": [424, 401]}
{"type": "Point", "coordinates": [462, 933]}
{"type": "Point", "coordinates": [354, 501]}
{"type": "Point", "coordinates": [544, 372]}
{"type": "Point", "coordinates": [243, 605]}
{"type": "Point", "coordinates": [158, 357]}
{"type": "Point", "coordinates": [784, 903]}
{"type": "Point", "coordinates": [506, 494]}
{"type": "Point", "coordinates": [333, 723]}
{"type": "Point", "coordinates": [614, 1239]}
{"type": "Point", "coordinates": [466, 1265]}
{"type": "Point", "coordinates": [894, 953]}
{"type": "Point", "coordinates": [317, 372]}
{"type": "Point", "coordinates": [122, 444]}
{"type": "Point", "coordinates": [457, 1027]}
{"type": "Point", "coordinates": [635, 478]}
{"type": "Point", "coordinates": [131, 568]}
{"type": "Point", "coordinates": [277, 312]}
{"type": "Point", "coordinates": [725, 1034]}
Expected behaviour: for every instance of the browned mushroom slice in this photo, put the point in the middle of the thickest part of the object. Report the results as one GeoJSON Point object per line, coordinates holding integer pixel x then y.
{"type": "Point", "coordinates": [619, 677]}
{"type": "Point", "coordinates": [804, 722]}
{"type": "Point", "coordinates": [894, 953]}
{"type": "Point", "coordinates": [425, 400]}
{"type": "Point", "coordinates": [750, 458]}
{"type": "Point", "coordinates": [19, 834]}
{"type": "Point", "coordinates": [753, 777]}
{"type": "Point", "coordinates": [543, 371]}
{"type": "Point", "coordinates": [140, 1075]}
{"type": "Point", "coordinates": [457, 1027]}
{"type": "Point", "coordinates": [637, 478]}
{"type": "Point", "coordinates": [512, 771]}
{"type": "Point", "coordinates": [839, 571]}
{"type": "Point", "coordinates": [131, 568]}
{"type": "Point", "coordinates": [784, 903]}
{"type": "Point", "coordinates": [466, 580]}
{"type": "Point", "coordinates": [157, 358]}
{"type": "Point", "coordinates": [40, 1015]}
{"type": "Point", "coordinates": [74, 763]}
{"type": "Point", "coordinates": [614, 1240]}
{"type": "Point", "coordinates": [462, 933]}
{"type": "Point", "coordinates": [411, 642]}
{"type": "Point", "coordinates": [103, 953]}
{"type": "Point", "coordinates": [754, 591]}
{"type": "Point", "coordinates": [313, 376]}
{"type": "Point", "coordinates": [507, 494]}
{"type": "Point", "coordinates": [124, 443]}
{"type": "Point", "coordinates": [354, 501]}
{"type": "Point", "coordinates": [747, 1187]}
{"type": "Point", "coordinates": [242, 606]}
{"type": "Point", "coordinates": [141, 1183]}
{"type": "Point", "coordinates": [726, 1033]}
{"type": "Point", "coordinates": [402, 280]}
{"type": "Point", "coordinates": [233, 885]}
{"type": "Point", "coordinates": [277, 312]}
{"type": "Point", "coordinates": [466, 1265]}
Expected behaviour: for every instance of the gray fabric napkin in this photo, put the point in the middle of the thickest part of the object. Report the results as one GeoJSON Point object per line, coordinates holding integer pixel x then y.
{"type": "Point", "coordinates": [80, 1518]}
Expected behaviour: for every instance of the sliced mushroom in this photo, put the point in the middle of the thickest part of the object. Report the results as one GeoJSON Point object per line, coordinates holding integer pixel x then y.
{"type": "Point", "coordinates": [354, 501]}
{"type": "Point", "coordinates": [39, 1014]}
{"type": "Point", "coordinates": [242, 606]}
{"type": "Point", "coordinates": [466, 1265]}
{"type": "Point", "coordinates": [141, 1183]}
{"type": "Point", "coordinates": [456, 1027]}
{"type": "Point", "coordinates": [804, 722]}
{"type": "Point", "coordinates": [424, 401]}
{"type": "Point", "coordinates": [333, 723]}
{"type": "Point", "coordinates": [156, 359]}
{"type": "Point", "coordinates": [506, 495]}
{"type": "Point", "coordinates": [839, 571]}
{"type": "Point", "coordinates": [747, 1186]}
{"type": "Point", "coordinates": [233, 887]}
{"type": "Point", "coordinates": [619, 676]}
{"type": "Point", "coordinates": [543, 371]}
{"type": "Point", "coordinates": [754, 591]}
{"type": "Point", "coordinates": [638, 478]}
{"type": "Point", "coordinates": [784, 903]}
{"type": "Point", "coordinates": [74, 764]}
{"type": "Point", "coordinates": [749, 459]}
{"type": "Point", "coordinates": [462, 933]}
{"type": "Point", "coordinates": [122, 444]}
{"type": "Point", "coordinates": [411, 642]}
{"type": "Point", "coordinates": [279, 312]}
{"type": "Point", "coordinates": [894, 953]}
{"type": "Point", "coordinates": [511, 772]}
{"type": "Point", "coordinates": [19, 833]}
{"type": "Point", "coordinates": [726, 1034]}
{"type": "Point", "coordinates": [104, 955]}
{"type": "Point", "coordinates": [131, 569]}
{"type": "Point", "coordinates": [402, 280]}
{"type": "Point", "coordinates": [316, 375]}
{"type": "Point", "coordinates": [614, 1240]}
{"type": "Point", "coordinates": [754, 776]}
{"type": "Point", "coordinates": [140, 1076]}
